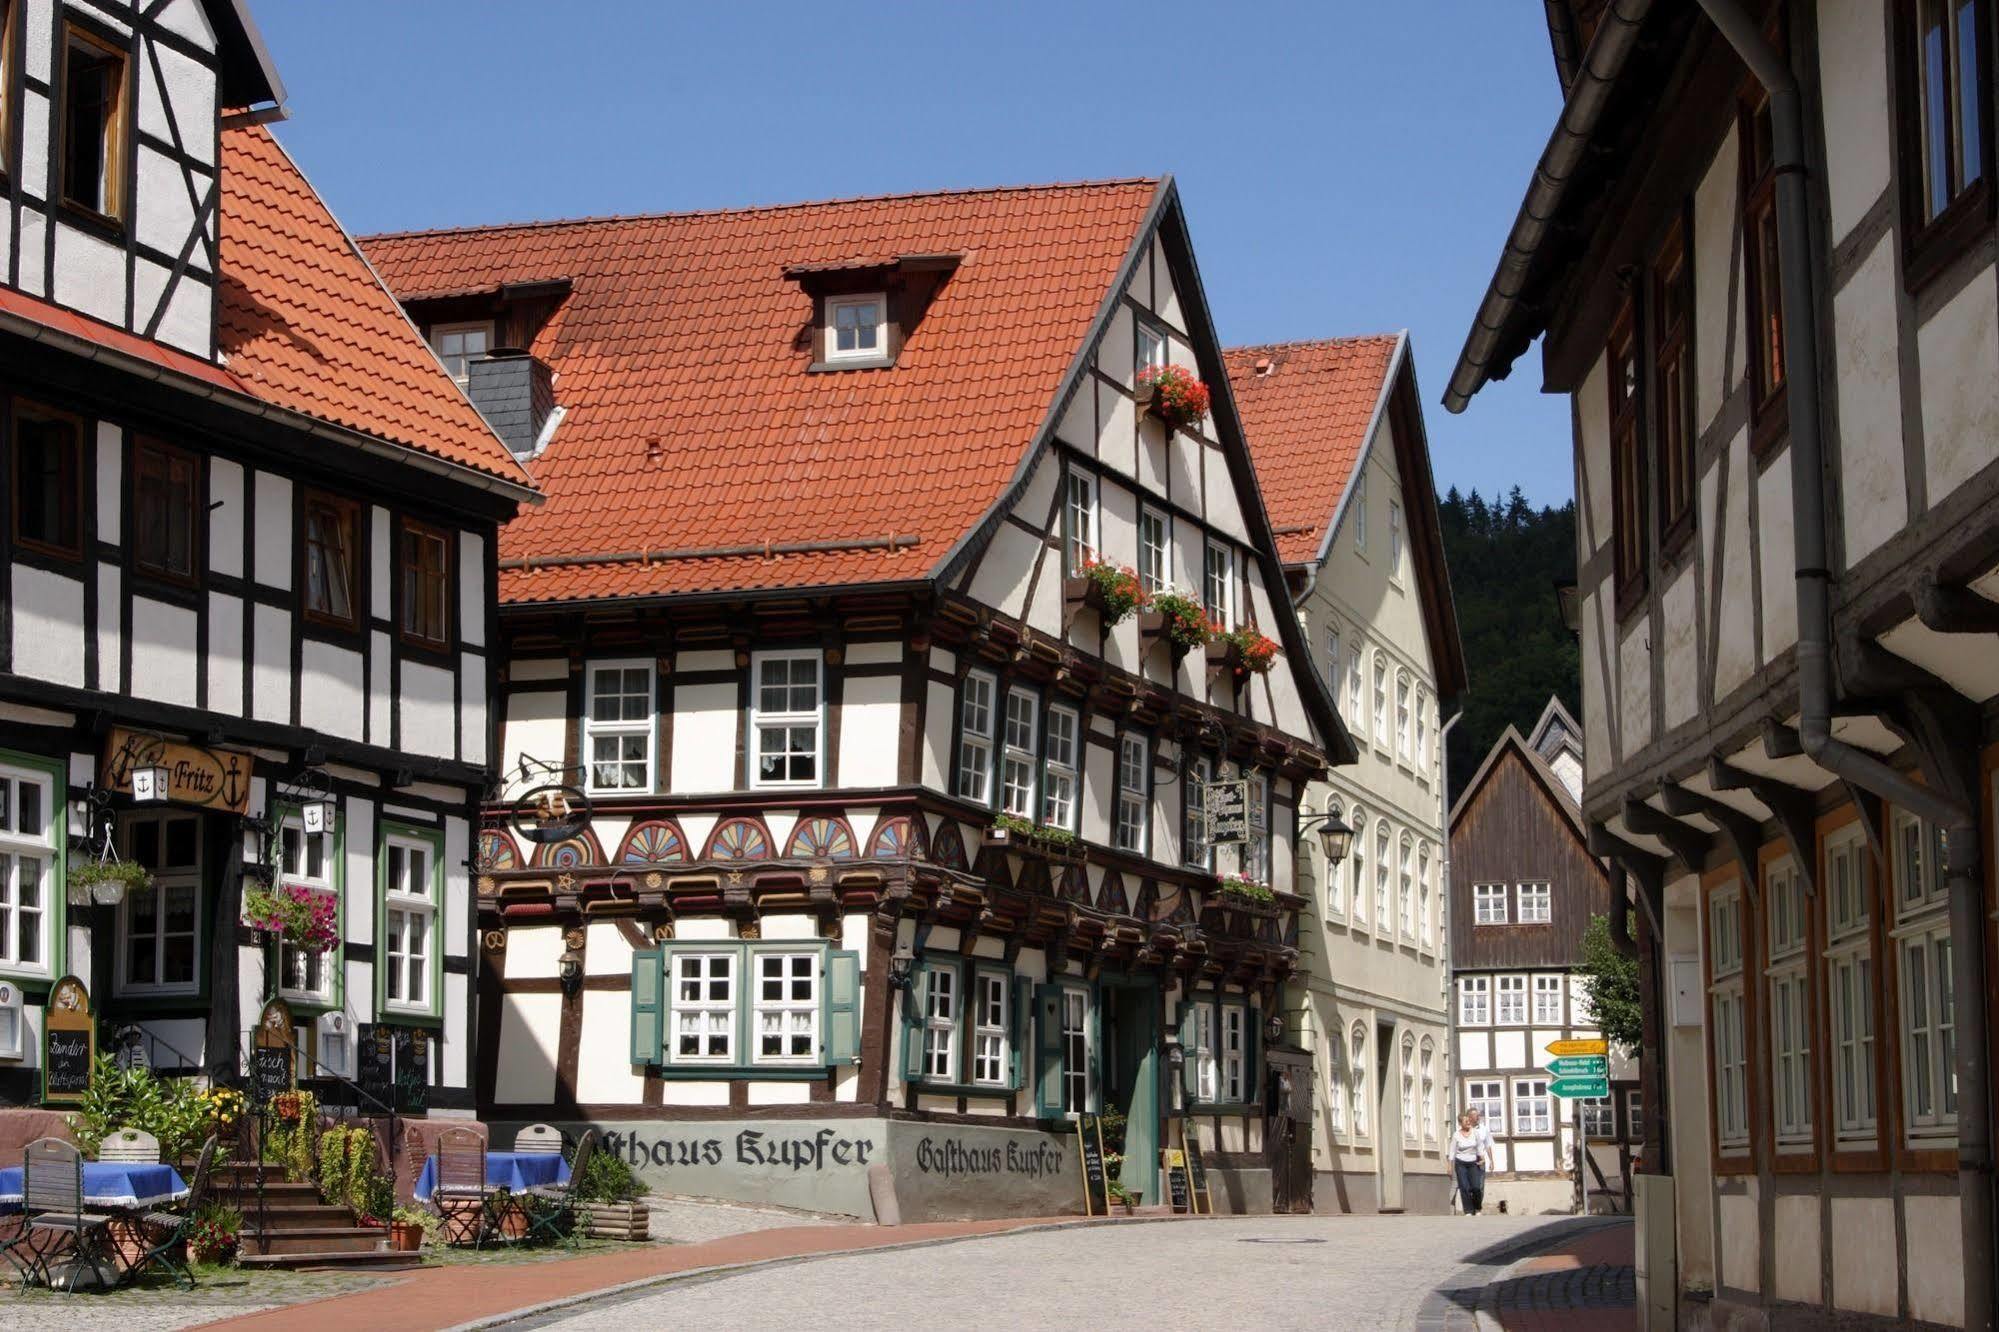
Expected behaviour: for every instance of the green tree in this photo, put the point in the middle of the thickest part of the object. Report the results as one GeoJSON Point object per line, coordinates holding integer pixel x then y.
{"type": "Point", "coordinates": [1610, 983]}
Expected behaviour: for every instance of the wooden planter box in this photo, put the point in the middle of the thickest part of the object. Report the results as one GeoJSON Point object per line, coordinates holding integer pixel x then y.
{"type": "Point", "coordinates": [619, 1221]}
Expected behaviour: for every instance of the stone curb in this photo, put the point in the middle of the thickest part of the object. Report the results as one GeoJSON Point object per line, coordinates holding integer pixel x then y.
{"type": "Point", "coordinates": [531, 1311]}
{"type": "Point", "coordinates": [1487, 1313]}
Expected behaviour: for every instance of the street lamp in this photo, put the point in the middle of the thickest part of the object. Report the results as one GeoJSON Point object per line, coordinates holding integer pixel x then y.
{"type": "Point", "coordinates": [1335, 837]}
{"type": "Point", "coordinates": [318, 816]}
{"type": "Point", "coordinates": [149, 784]}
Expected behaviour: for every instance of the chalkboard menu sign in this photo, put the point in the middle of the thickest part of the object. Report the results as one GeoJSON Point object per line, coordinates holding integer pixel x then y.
{"type": "Point", "coordinates": [271, 1070]}
{"type": "Point", "coordinates": [375, 1059]}
{"type": "Point", "coordinates": [1197, 1178]}
{"type": "Point", "coordinates": [1177, 1190]}
{"type": "Point", "coordinates": [69, 1042]}
{"type": "Point", "coordinates": [412, 1056]}
{"type": "Point", "coordinates": [1096, 1183]}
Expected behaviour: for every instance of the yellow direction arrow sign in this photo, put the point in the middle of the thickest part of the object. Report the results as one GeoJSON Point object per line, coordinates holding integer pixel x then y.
{"type": "Point", "coordinates": [1595, 1047]}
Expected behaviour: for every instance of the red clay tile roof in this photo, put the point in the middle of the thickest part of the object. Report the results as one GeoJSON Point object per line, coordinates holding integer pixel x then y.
{"type": "Point", "coordinates": [306, 325]}
{"type": "Point", "coordinates": [84, 328]}
{"type": "Point", "coordinates": [1306, 420]}
{"type": "Point", "coordinates": [680, 357]}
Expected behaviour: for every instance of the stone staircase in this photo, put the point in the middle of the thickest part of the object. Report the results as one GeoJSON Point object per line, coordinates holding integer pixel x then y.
{"type": "Point", "coordinates": [297, 1229]}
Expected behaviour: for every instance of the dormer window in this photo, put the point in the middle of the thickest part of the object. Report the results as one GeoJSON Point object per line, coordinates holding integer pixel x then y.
{"type": "Point", "coordinates": [93, 123]}
{"type": "Point", "coordinates": [857, 327]}
{"type": "Point", "coordinates": [458, 345]}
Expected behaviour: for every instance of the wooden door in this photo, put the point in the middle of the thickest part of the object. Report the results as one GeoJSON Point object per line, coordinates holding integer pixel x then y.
{"type": "Point", "coordinates": [1287, 1130]}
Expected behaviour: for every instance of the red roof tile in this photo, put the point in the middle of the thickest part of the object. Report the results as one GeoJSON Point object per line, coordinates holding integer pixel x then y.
{"type": "Point", "coordinates": [1305, 409]}
{"type": "Point", "coordinates": [692, 423]}
{"type": "Point", "coordinates": [86, 329]}
{"type": "Point", "coordinates": [306, 325]}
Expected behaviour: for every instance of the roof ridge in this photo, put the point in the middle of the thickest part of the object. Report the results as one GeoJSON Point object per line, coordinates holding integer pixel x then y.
{"type": "Point", "coordinates": [1342, 340]}
{"type": "Point", "coordinates": [608, 219]}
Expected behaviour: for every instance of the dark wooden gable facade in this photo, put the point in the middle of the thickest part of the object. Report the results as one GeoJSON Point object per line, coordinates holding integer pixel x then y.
{"type": "Point", "coordinates": [1515, 824]}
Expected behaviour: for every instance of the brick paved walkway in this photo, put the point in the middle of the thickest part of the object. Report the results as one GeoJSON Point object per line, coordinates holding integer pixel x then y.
{"type": "Point", "coordinates": [1584, 1281]}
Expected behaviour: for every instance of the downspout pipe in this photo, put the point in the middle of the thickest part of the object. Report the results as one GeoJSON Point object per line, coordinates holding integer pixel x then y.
{"type": "Point", "coordinates": [1802, 359]}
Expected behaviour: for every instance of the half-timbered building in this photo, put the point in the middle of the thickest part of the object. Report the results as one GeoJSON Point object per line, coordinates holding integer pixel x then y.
{"type": "Point", "coordinates": [1524, 887]}
{"type": "Point", "coordinates": [1336, 427]}
{"type": "Point", "coordinates": [247, 533]}
{"type": "Point", "coordinates": [1758, 251]}
{"type": "Point", "coordinates": [845, 828]}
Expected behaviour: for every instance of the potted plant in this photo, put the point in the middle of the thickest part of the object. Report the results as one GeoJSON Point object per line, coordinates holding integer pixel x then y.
{"type": "Point", "coordinates": [609, 1200]}
{"type": "Point", "coordinates": [1113, 589]}
{"type": "Point", "coordinates": [1173, 394]}
{"type": "Point", "coordinates": [302, 917]}
{"type": "Point", "coordinates": [1184, 621]}
{"type": "Point", "coordinates": [1123, 1196]}
{"type": "Point", "coordinates": [1237, 890]}
{"type": "Point", "coordinates": [1249, 652]}
{"type": "Point", "coordinates": [106, 882]}
{"type": "Point", "coordinates": [407, 1227]}
{"type": "Point", "coordinates": [1010, 830]}
{"type": "Point", "coordinates": [215, 1233]}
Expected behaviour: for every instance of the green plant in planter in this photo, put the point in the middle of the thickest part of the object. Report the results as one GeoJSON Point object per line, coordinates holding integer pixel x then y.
{"type": "Point", "coordinates": [95, 877]}
{"type": "Point", "coordinates": [173, 1110]}
{"type": "Point", "coordinates": [1246, 890]}
{"type": "Point", "coordinates": [1027, 830]}
{"type": "Point", "coordinates": [1187, 622]}
{"type": "Point", "coordinates": [1118, 588]}
{"type": "Point", "coordinates": [607, 1179]}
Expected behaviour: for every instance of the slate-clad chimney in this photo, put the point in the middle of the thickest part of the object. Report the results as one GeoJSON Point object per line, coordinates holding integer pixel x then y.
{"type": "Point", "coordinates": [515, 393]}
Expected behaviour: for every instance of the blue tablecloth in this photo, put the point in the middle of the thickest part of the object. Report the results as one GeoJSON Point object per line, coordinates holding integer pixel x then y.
{"type": "Point", "coordinates": [109, 1184]}
{"type": "Point", "coordinates": [516, 1171]}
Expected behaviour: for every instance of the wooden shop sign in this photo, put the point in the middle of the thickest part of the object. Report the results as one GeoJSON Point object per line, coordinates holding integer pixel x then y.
{"type": "Point", "coordinates": [206, 778]}
{"type": "Point", "coordinates": [69, 1043]}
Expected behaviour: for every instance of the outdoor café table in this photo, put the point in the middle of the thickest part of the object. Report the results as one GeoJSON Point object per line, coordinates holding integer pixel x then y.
{"type": "Point", "coordinates": [517, 1172]}
{"type": "Point", "coordinates": [113, 1187]}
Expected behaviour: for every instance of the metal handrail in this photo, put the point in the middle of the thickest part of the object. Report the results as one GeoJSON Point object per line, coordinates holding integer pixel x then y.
{"type": "Point", "coordinates": [318, 1072]}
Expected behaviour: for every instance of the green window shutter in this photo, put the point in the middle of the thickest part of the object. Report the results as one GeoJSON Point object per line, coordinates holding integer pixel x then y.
{"type": "Point", "coordinates": [1096, 1029]}
{"type": "Point", "coordinates": [843, 1007]}
{"type": "Point", "coordinates": [1190, 1061]}
{"type": "Point", "coordinates": [1252, 1057]}
{"type": "Point", "coordinates": [1021, 1032]}
{"type": "Point", "coordinates": [913, 1000]}
{"type": "Point", "coordinates": [648, 1006]}
{"type": "Point", "coordinates": [1048, 1051]}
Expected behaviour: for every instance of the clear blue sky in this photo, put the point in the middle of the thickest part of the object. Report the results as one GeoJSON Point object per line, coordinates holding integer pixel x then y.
{"type": "Point", "coordinates": [1346, 167]}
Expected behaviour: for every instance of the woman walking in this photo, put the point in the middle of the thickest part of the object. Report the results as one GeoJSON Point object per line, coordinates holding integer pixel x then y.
{"type": "Point", "coordinates": [1470, 1159]}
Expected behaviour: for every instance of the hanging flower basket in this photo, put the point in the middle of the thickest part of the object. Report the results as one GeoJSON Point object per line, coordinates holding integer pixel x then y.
{"type": "Point", "coordinates": [1173, 395]}
{"type": "Point", "coordinates": [1184, 621]}
{"type": "Point", "coordinates": [294, 913]}
{"type": "Point", "coordinates": [1249, 652]}
{"type": "Point", "coordinates": [106, 881]}
{"type": "Point", "coordinates": [1115, 590]}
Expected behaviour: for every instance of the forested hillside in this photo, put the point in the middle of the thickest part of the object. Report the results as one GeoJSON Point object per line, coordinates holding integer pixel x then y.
{"type": "Point", "coordinates": [1505, 560]}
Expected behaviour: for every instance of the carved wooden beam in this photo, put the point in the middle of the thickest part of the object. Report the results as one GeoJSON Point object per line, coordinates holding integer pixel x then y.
{"type": "Point", "coordinates": [1687, 843]}
{"type": "Point", "coordinates": [1873, 820]}
{"type": "Point", "coordinates": [1791, 808]}
{"type": "Point", "coordinates": [1744, 837]}
{"type": "Point", "coordinates": [1950, 609]}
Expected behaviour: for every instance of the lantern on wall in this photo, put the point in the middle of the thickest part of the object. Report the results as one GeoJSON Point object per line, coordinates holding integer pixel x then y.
{"type": "Point", "coordinates": [1335, 837]}
{"type": "Point", "coordinates": [318, 815]}
{"type": "Point", "coordinates": [150, 783]}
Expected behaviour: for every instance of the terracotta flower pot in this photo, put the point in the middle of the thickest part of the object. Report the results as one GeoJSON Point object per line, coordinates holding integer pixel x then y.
{"type": "Point", "coordinates": [405, 1236]}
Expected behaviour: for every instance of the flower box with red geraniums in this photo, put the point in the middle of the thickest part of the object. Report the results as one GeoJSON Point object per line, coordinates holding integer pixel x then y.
{"type": "Point", "coordinates": [1172, 394]}
{"type": "Point", "coordinates": [303, 917]}
{"type": "Point", "coordinates": [1114, 590]}
{"type": "Point", "coordinates": [1250, 653]}
{"type": "Point", "coordinates": [1184, 621]}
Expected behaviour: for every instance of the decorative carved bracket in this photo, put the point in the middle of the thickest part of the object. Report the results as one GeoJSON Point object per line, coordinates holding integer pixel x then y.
{"type": "Point", "coordinates": [1791, 808]}
{"type": "Point", "coordinates": [1742, 833]}
{"type": "Point", "coordinates": [1949, 609]}
{"type": "Point", "coordinates": [1687, 843]}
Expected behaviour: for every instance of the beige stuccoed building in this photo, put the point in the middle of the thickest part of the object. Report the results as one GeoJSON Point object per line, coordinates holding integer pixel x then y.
{"type": "Point", "coordinates": [1337, 433]}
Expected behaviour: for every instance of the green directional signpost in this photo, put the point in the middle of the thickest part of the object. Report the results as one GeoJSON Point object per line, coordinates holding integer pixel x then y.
{"type": "Point", "coordinates": [1580, 1071]}
{"type": "Point", "coordinates": [1580, 1089]}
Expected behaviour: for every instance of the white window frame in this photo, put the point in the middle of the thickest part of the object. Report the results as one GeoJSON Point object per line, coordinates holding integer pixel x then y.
{"type": "Point", "coordinates": [1925, 968]}
{"type": "Point", "coordinates": [1018, 760]}
{"type": "Point", "coordinates": [1234, 1060]}
{"type": "Point", "coordinates": [1536, 902]}
{"type": "Point", "coordinates": [1202, 1033]}
{"type": "Point", "coordinates": [1148, 346]}
{"type": "Point", "coordinates": [1357, 1076]}
{"type": "Point", "coordinates": [1360, 508]}
{"type": "Point", "coordinates": [398, 900]}
{"type": "Point", "coordinates": [1218, 563]}
{"type": "Point", "coordinates": [1356, 865]}
{"type": "Point", "coordinates": [1357, 692]}
{"type": "Point", "coordinates": [1395, 541]}
{"type": "Point", "coordinates": [787, 1008]}
{"type": "Point", "coordinates": [183, 876]}
{"type": "Point", "coordinates": [1425, 909]}
{"type": "Point", "coordinates": [1336, 1086]}
{"type": "Point", "coordinates": [1335, 667]}
{"type": "Point", "coordinates": [1405, 720]}
{"type": "Point", "coordinates": [622, 729]}
{"type": "Point", "coordinates": [1851, 978]}
{"type": "Point", "coordinates": [438, 332]}
{"type": "Point", "coordinates": [1132, 828]}
{"type": "Point", "coordinates": [40, 850]}
{"type": "Point", "coordinates": [1195, 848]}
{"type": "Point", "coordinates": [1061, 768]}
{"type": "Point", "coordinates": [977, 694]}
{"type": "Point", "coordinates": [1381, 736]}
{"type": "Point", "coordinates": [1548, 1006]}
{"type": "Point", "coordinates": [1533, 1108]}
{"type": "Point", "coordinates": [1474, 1001]}
{"type": "Point", "coordinates": [992, 1050]}
{"type": "Point", "coordinates": [835, 304]}
{"type": "Point", "coordinates": [289, 871]}
{"type": "Point", "coordinates": [1488, 903]}
{"type": "Point", "coordinates": [1080, 519]}
{"type": "Point", "coordinates": [786, 721]}
{"type": "Point", "coordinates": [1155, 549]}
{"type": "Point", "coordinates": [1384, 923]}
{"type": "Point", "coordinates": [1788, 992]}
{"type": "Point", "coordinates": [705, 1007]}
{"type": "Point", "coordinates": [1423, 733]}
{"type": "Point", "coordinates": [1728, 1018]}
{"type": "Point", "coordinates": [1409, 1129]}
{"type": "Point", "coordinates": [1077, 1017]}
{"type": "Point", "coordinates": [1254, 854]}
{"type": "Point", "coordinates": [1488, 1097]}
{"type": "Point", "coordinates": [1509, 1002]}
{"type": "Point", "coordinates": [1405, 886]}
{"type": "Point", "coordinates": [1429, 1067]}
{"type": "Point", "coordinates": [941, 1012]}
{"type": "Point", "coordinates": [1599, 1116]}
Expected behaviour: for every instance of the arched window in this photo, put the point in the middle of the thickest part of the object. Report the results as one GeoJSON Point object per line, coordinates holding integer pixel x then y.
{"type": "Point", "coordinates": [1405, 713]}
{"type": "Point", "coordinates": [1336, 889]}
{"type": "Point", "coordinates": [1423, 919]}
{"type": "Point", "coordinates": [1384, 923]}
{"type": "Point", "coordinates": [1423, 732]}
{"type": "Point", "coordinates": [1380, 701]}
{"type": "Point", "coordinates": [1408, 1087]}
{"type": "Point", "coordinates": [1357, 1076]}
{"type": "Point", "coordinates": [1357, 865]}
{"type": "Point", "coordinates": [1405, 899]}
{"type": "Point", "coordinates": [1429, 1090]}
{"type": "Point", "coordinates": [1336, 1084]}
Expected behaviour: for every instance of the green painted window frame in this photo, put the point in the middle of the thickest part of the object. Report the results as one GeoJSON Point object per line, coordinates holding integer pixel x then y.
{"type": "Point", "coordinates": [1051, 1052]}
{"type": "Point", "coordinates": [337, 955]}
{"type": "Point", "coordinates": [55, 912]}
{"type": "Point", "coordinates": [967, 971]}
{"type": "Point", "coordinates": [743, 1067]}
{"type": "Point", "coordinates": [433, 1010]}
{"type": "Point", "coordinates": [1216, 1001]}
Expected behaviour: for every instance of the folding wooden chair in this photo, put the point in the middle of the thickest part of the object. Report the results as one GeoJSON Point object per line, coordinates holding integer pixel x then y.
{"type": "Point", "coordinates": [461, 1180]}
{"type": "Point", "coordinates": [130, 1144]}
{"type": "Point", "coordinates": [170, 1229]}
{"type": "Point", "coordinates": [552, 1210]}
{"type": "Point", "coordinates": [52, 1200]}
{"type": "Point", "coordinates": [539, 1140]}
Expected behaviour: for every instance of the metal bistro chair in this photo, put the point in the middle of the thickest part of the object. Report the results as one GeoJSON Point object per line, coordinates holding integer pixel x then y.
{"type": "Point", "coordinates": [538, 1140]}
{"type": "Point", "coordinates": [129, 1144]}
{"type": "Point", "coordinates": [169, 1250]}
{"type": "Point", "coordinates": [52, 1199]}
{"type": "Point", "coordinates": [553, 1211]}
{"type": "Point", "coordinates": [461, 1179]}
